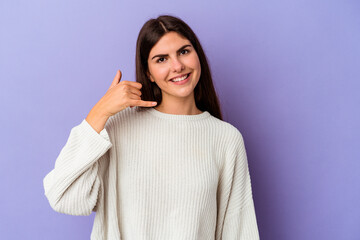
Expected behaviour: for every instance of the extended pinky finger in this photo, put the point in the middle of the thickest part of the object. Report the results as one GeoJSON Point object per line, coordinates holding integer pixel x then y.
{"type": "Point", "coordinates": [145, 103]}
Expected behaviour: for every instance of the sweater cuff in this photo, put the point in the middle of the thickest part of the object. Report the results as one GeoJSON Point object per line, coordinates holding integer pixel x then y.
{"type": "Point", "coordinates": [90, 129]}
{"type": "Point", "coordinates": [85, 145]}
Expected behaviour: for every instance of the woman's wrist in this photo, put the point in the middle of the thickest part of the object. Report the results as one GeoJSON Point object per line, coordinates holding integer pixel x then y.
{"type": "Point", "coordinates": [97, 119]}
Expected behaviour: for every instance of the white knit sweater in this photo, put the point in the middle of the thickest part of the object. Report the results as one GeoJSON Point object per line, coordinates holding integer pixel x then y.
{"type": "Point", "coordinates": [156, 176]}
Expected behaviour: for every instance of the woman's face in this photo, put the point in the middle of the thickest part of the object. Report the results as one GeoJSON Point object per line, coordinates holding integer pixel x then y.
{"type": "Point", "coordinates": [173, 56]}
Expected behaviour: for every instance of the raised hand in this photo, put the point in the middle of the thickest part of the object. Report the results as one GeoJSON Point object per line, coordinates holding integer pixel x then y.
{"type": "Point", "coordinates": [120, 95]}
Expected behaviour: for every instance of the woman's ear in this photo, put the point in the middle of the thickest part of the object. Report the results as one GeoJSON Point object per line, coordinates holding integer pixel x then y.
{"type": "Point", "coordinates": [149, 76]}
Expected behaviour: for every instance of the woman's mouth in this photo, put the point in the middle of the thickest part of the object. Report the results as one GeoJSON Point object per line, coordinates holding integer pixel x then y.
{"type": "Point", "coordinates": [180, 81]}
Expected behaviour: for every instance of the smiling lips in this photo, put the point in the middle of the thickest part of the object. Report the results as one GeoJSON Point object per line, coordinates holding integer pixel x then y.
{"type": "Point", "coordinates": [184, 80]}
{"type": "Point", "coordinates": [179, 78]}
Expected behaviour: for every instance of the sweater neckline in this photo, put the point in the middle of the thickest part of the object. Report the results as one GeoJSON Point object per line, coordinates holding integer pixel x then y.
{"type": "Point", "coordinates": [163, 115]}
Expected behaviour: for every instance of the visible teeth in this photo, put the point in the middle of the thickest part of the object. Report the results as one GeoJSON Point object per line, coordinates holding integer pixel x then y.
{"type": "Point", "coordinates": [179, 79]}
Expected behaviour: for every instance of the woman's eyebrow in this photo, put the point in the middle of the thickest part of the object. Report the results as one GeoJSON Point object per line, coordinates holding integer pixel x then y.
{"type": "Point", "coordinates": [165, 55]}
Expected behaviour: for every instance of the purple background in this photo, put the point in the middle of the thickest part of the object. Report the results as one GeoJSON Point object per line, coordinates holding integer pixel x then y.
{"type": "Point", "coordinates": [287, 74]}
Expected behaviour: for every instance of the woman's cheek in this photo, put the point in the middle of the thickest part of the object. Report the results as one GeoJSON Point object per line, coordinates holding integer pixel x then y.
{"type": "Point", "coordinates": [163, 72]}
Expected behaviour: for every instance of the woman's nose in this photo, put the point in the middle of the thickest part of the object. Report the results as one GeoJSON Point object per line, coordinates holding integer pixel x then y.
{"type": "Point", "coordinates": [177, 65]}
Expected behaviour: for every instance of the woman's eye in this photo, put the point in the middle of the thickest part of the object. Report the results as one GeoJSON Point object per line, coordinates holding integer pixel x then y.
{"type": "Point", "coordinates": [185, 50]}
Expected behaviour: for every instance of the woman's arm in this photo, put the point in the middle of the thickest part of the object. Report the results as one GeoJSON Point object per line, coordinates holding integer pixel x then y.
{"type": "Point", "coordinates": [73, 185]}
{"type": "Point", "coordinates": [236, 212]}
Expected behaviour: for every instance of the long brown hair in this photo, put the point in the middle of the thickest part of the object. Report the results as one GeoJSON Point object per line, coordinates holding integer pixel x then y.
{"type": "Point", "coordinates": [204, 92]}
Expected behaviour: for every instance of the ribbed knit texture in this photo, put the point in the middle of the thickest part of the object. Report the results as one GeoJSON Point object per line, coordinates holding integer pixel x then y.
{"type": "Point", "coordinates": [156, 176]}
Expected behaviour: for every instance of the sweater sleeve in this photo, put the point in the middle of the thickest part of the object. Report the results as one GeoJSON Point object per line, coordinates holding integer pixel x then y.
{"type": "Point", "coordinates": [236, 212]}
{"type": "Point", "coordinates": [73, 185]}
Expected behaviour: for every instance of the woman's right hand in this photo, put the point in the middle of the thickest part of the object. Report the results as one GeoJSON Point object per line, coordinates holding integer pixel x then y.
{"type": "Point", "coordinates": [119, 96]}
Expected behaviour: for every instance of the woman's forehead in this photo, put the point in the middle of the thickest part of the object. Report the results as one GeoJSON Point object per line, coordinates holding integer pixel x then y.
{"type": "Point", "coordinates": [170, 42]}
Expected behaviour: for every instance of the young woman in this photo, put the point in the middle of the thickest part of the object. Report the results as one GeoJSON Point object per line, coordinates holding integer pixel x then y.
{"type": "Point", "coordinates": [153, 158]}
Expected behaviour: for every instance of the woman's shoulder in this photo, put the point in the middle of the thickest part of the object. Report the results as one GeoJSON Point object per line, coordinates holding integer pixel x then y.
{"type": "Point", "coordinates": [225, 128]}
{"type": "Point", "coordinates": [228, 136]}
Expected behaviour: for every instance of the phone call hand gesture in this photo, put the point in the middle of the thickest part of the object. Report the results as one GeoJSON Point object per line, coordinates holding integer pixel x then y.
{"type": "Point", "coordinates": [119, 96]}
{"type": "Point", "coordinates": [122, 94]}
